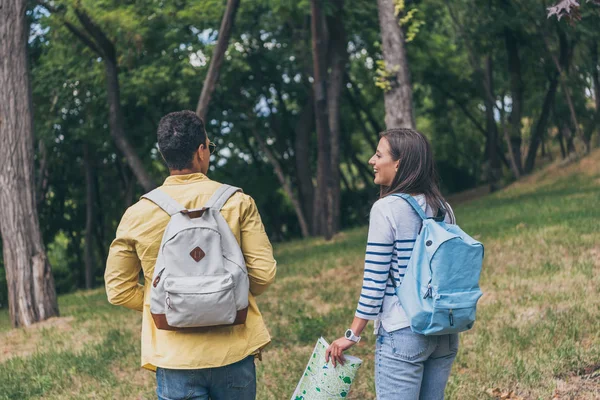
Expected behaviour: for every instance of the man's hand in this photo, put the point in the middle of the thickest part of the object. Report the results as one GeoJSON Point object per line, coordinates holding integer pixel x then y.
{"type": "Point", "coordinates": [336, 350]}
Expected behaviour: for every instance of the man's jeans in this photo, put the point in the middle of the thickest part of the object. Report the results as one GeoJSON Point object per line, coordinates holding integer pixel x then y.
{"type": "Point", "coordinates": [410, 366]}
{"type": "Point", "coordinates": [231, 382]}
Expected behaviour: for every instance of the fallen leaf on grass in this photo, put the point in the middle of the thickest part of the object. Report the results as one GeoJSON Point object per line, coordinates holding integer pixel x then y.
{"type": "Point", "coordinates": [502, 395]}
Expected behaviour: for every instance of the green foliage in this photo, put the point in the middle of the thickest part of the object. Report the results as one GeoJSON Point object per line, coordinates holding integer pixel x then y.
{"type": "Point", "coordinates": [164, 49]}
{"type": "Point", "coordinates": [412, 23]}
{"type": "Point", "coordinates": [407, 19]}
{"type": "Point", "coordinates": [385, 75]}
{"type": "Point", "coordinates": [60, 258]}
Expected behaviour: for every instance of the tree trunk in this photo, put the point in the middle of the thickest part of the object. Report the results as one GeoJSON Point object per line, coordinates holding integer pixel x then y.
{"type": "Point", "coordinates": [563, 152]}
{"type": "Point", "coordinates": [283, 181]}
{"type": "Point", "coordinates": [596, 81]}
{"type": "Point", "coordinates": [212, 75]}
{"type": "Point", "coordinates": [543, 147]}
{"type": "Point", "coordinates": [117, 129]}
{"type": "Point", "coordinates": [338, 45]}
{"type": "Point", "coordinates": [356, 105]}
{"type": "Point", "coordinates": [562, 66]}
{"type": "Point", "coordinates": [98, 42]}
{"type": "Point", "coordinates": [494, 171]}
{"type": "Point", "coordinates": [302, 157]}
{"type": "Point", "coordinates": [540, 128]}
{"type": "Point", "coordinates": [322, 210]}
{"type": "Point", "coordinates": [31, 292]}
{"type": "Point", "coordinates": [42, 183]}
{"type": "Point", "coordinates": [568, 135]}
{"type": "Point", "coordinates": [516, 89]}
{"type": "Point", "coordinates": [90, 220]}
{"type": "Point", "coordinates": [398, 100]}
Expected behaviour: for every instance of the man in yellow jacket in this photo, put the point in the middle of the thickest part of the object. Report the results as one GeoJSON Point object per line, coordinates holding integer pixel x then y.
{"type": "Point", "coordinates": [217, 363]}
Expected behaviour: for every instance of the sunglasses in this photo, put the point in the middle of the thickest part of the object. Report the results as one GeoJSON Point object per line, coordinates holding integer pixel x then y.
{"type": "Point", "coordinates": [211, 147]}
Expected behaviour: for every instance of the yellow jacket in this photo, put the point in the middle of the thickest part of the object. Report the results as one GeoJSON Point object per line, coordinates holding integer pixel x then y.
{"type": "Point", "coordinates": [135, 248]}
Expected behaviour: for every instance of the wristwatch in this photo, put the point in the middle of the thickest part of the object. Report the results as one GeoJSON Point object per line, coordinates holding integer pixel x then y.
{"type": "Point", "coordinates": [351, 336]}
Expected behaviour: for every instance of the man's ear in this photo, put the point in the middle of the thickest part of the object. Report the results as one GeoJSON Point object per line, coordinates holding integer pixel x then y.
{"type": "Point", "coordinates": [200, 152]}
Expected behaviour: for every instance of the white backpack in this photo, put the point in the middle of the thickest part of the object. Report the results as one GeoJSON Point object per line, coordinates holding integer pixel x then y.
{"type": "Point", "coordinates": [200, 277]}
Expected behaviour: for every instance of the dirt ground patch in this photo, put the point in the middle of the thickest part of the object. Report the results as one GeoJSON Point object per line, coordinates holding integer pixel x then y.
{"type": "Point", "coordinates": [583, 385]}
{"type": "Point", "coordinates": [25, 341]}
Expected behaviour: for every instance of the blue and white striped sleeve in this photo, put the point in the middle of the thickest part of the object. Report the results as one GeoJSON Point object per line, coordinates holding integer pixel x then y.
{"type": "Point", "coordinates": [378, 259]}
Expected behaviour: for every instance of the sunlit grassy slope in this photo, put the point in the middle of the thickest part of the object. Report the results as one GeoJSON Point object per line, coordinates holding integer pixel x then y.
{"type": "Point", "coordinates": [537, 334]}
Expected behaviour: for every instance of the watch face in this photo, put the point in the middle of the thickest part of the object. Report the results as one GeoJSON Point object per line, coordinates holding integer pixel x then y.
{"type": "Point", "coordinates": [348, 334]}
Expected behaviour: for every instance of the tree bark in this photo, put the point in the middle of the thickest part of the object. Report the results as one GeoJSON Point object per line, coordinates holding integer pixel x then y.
{"type": "Point", "coordinates": [31, 292]}
{"type": "Point", "coordinates": [339, 55]}
{"type": "Point", "coordinates": [283, 181]}
{"type": "Point", "coordinates": [98, 42]}
{"type": "Point", "coordinates": [322, 210]}
{"type": "Point", "coordinates": [212, 75]}
{"type": "Point", "coordinates": [516, 89]}
{"type": "Point", "coordinates": [90, 220]}
{"type": "Point", "coordinates": [540, 127]}
{"type": "Point", "coordinates": [398, 100]}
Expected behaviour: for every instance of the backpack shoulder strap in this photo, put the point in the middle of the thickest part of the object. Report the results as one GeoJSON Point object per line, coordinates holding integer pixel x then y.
{"type": "Point", "coordinates": [413, 204]}
{"type": "Point", "coordinates": [220, 197]}
{"type": "Point", "coordinates": [164, 201]}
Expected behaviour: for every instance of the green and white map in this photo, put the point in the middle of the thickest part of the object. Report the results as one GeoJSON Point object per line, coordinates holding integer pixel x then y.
{"type": "Point", "coordinates": [321, 381]}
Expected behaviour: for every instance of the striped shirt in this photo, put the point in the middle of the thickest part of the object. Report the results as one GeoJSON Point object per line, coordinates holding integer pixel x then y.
{"type": "Point", "coordinates": [393, 229]}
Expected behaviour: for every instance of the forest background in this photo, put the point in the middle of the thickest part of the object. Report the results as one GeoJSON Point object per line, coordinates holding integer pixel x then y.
{"type": "Point", "coordinates": [294, 95]}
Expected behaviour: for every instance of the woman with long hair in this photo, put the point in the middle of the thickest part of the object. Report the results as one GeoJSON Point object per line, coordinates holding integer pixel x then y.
{"type": "Point", "coordinates": [407, 365]}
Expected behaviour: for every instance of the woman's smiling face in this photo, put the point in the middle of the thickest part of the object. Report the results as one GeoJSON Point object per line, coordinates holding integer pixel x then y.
{"type": "Point", "coordinates": [383, 165]}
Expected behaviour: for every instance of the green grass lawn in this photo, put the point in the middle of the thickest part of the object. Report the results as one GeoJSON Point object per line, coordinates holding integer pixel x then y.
{"type": "Point", "coordinates": [537, 333]}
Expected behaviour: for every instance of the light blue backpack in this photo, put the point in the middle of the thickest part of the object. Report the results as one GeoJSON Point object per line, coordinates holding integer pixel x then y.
{"type": "Point", "coordinates": [440, 290]}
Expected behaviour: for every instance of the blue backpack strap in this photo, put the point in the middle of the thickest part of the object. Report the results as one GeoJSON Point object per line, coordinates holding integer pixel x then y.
{"type": "Point", "coordinates": [164, 201]}
{"type": "Point", "coordinates": [413, 204]}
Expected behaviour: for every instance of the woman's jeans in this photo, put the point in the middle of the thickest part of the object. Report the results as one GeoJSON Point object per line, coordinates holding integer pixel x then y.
{"type": "Point", "coordinates": [410, 366]}
{"type": "Point", "coordinates": [231, 382]}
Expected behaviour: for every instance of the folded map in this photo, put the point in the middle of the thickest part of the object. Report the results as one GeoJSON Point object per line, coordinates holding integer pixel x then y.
{"type": "Point", "coordinates": [321, 381]}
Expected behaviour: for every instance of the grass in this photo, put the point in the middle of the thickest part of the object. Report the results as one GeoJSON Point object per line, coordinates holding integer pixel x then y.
{"type": "Point", "coordinates": [537, 333]}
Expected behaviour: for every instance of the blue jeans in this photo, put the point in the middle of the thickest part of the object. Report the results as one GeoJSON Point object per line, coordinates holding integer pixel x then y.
{"type": "Point", "coordinates": [412, 366]}
{"type": "Point", "coordinates": [236, 381]}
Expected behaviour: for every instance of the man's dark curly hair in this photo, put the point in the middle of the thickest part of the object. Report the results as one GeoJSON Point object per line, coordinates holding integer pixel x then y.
{"type": "Point", "coordinates": [179, 136]}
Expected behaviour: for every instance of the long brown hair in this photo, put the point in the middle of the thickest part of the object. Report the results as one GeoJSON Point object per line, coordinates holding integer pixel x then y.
{"type": "Point", "coordinates": [416, 170]}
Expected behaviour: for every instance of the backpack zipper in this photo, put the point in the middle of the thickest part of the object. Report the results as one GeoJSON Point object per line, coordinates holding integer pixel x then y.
{"type": "Point", "coordinates": [157, 279]}
{"type": "Point", "coordinates": [428, 292]}
{"type": "Point", "coordinates": [451, 318]}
